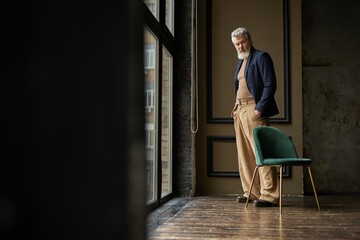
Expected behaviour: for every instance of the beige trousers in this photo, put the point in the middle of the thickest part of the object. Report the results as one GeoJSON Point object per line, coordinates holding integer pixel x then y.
{"type": "Point", "coordinates": [266, 184]}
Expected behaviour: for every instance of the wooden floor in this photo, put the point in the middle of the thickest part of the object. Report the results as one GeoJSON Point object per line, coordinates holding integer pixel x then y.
{"type": "Point", "coordinates": [224, 218]}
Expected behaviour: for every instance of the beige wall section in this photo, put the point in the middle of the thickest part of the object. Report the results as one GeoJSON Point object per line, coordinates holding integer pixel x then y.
{"type": "Point", "coordinates": [267, 35]}
{"type": "Point", "coordinates": [231, 185]}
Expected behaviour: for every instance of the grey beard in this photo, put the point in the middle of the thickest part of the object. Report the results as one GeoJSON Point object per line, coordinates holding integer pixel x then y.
{"type": "Point", "coordinates": [243, 55]}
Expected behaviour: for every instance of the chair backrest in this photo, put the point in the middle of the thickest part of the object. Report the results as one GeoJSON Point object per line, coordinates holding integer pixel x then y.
{"type": "Point", "coordinates": [270, 142]}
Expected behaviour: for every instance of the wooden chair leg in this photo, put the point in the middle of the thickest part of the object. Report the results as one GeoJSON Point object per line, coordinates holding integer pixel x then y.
{"type": "Point", "coordinates": [281, 185]}
{"type": "Point", "coordinates": [313, 185]}
{"type": "Point", "coordinates": [251, 185]}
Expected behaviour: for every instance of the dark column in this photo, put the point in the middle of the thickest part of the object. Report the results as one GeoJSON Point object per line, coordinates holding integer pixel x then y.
{"type": "Point", "coordinates": [72, 158]}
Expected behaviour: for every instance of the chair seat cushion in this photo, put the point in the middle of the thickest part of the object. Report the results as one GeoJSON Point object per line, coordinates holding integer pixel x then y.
{"type": "Point", "coordinates": [287, 161]}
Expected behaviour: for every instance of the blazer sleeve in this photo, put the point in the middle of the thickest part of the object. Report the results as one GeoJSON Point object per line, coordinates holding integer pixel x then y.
{"type": "Point", "coordinates": [267, 72]}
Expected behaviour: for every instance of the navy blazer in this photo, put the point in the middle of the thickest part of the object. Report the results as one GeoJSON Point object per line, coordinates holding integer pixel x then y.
{"type": "Point", "coordinates": [261, 81]}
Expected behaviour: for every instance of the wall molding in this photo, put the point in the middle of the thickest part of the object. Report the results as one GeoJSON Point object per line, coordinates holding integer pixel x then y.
{"type": "Point", "coordinates": [209, 98]}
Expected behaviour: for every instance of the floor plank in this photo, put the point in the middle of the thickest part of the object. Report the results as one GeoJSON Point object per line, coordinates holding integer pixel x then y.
{"type": "Point", "coordinates": [224, 218]}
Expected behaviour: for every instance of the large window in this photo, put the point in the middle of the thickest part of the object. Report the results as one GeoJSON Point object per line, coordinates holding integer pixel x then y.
{"type": "Point", "coordinates": [151, 82]}
{"type": "Point", "coordinates": [158, 68]}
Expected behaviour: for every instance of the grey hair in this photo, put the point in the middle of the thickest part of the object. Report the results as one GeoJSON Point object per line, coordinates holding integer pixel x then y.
{"type": "Point", "coordinates": [241, 31]}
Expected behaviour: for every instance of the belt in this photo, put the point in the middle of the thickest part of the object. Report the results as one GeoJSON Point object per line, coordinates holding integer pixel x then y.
{"type": "Point", "coordinates": [245, 101]}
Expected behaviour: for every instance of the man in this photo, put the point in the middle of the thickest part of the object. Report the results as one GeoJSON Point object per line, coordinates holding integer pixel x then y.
{"type": "Point", "coordinates": [255, 86]}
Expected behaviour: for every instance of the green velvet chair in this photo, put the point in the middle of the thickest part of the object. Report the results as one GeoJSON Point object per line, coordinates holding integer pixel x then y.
{"type": "Point", "coordinates": [274, 148]}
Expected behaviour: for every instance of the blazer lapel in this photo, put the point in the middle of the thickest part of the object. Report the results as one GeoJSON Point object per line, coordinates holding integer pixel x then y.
{"type": "Point", "coordinates": [248, 62]}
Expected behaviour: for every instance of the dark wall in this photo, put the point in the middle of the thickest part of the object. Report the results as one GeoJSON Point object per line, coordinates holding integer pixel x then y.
{"type": "Point", "coordinates": [72, 120]}
{"type": "Point", "coordinates": [183, 141]}
{"type": "Point", "coordinates": [331, 84]}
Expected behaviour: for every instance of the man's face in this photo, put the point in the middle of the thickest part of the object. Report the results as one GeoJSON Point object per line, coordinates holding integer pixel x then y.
{"type": "Point", "coordinates": [242, 46]}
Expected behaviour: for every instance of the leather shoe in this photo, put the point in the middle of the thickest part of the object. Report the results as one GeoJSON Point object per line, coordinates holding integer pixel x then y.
{"type": "Point", "coordinates": [263, 203]}
{"type": "Point", "coordinates": [242, 199]}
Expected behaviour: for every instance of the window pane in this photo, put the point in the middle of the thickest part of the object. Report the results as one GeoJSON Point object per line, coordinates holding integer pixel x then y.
{"type": "Point", "coordinates": [169, 15]}
{"type": "Point", "coordinates": [153, 5]}
{"type": "Point", "coordinates": [166, 126]}
{"type": "Point", "coordinates": [150, 50]}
